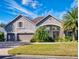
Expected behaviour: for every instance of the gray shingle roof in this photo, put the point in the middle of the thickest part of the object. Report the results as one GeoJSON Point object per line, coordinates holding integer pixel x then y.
{"type": "Point", "coordinates": [36, 20]}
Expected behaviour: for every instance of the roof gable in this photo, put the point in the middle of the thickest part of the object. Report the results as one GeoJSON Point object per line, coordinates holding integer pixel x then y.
{"type": "Point", "coordinates": [46, 18]}
{"type": "Point", "coordinates": [17, 18]}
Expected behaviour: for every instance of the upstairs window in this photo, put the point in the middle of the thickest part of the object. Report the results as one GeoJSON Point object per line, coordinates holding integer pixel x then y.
{"type": "Point", "coordinates": [20, 24]}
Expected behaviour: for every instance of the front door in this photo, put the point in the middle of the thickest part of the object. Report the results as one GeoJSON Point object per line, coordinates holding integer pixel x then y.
{"type": "Point", "coordinates": [55, 34]}
{"type": "Point", "coordinates": [10, 37]}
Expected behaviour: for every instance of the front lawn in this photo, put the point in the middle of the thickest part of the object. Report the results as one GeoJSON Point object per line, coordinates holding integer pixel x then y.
{"type": "Point", "coordinates": [59, 49]}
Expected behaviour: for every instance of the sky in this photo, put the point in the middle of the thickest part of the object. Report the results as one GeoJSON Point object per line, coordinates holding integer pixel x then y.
{"type": "Point", "coordinates": [10, 9]}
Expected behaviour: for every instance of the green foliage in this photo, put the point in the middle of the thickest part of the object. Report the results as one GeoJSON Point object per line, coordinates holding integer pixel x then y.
{"type": "Point", "coordinates": [1, 36]}
{"type": "Point", "coordinates": [41, 35]}
{"type": "Point", "coordinates": [59, 40]}
{"type": "Point", "coordinates": [50, 39]}
{"type": "Point", "coordinates": [71, 21]}
{"type": "Point", "coordinates": [2, 25]}
{"type": "Point", "coordinates": [68, 38]}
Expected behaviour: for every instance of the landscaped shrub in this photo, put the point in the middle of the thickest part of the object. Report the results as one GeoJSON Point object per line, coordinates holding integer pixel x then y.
{"type": "Point", "coordinates": [50, 39]}
{"type": "Point", "coordinates": [46, 40]}
{"type": "Point", "coordinates": [1, 36]}
{"type": "Point", "coordinates": [59, 40]}
{"type": "Point", "coordinates": [68, 38]}
{"type": "Point", "coordinates": [41, 35]}
{"type": "Point", "coordinates": [34, 40]}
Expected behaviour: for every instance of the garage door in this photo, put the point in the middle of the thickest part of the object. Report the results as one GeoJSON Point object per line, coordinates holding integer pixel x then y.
{"type": "Point", "coordinates": [10, 37]}
{"type": "Point", "coordinates": [24, 37]}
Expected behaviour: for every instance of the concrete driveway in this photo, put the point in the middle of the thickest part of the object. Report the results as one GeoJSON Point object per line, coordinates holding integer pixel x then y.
{"type": "Point", "coordinates": [37, 57]}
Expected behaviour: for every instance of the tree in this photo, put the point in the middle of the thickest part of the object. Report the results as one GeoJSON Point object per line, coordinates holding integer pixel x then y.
{"type": "Point", "coordinates": [41, 35]}
{"type": "Point", "coordinates": [2, 25]}
{"type": "Point", "coordinates": [1, 36]}
{"type": "Point", "coordinates": [71, 21]}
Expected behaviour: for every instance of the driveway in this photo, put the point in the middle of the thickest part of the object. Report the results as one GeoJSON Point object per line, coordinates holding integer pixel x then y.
{"type": "Point", "coordinates": [37, 57]}
{"type": "Point", "coordinates": [5, 46]}
{"type": "Point", "coordinates": [4, 51]}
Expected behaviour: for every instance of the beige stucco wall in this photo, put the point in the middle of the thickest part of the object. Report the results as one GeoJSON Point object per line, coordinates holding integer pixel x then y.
{"type": "Point", "coordinates": [51, 21]}
{"type": "Point", "coordinates": [27, 26]}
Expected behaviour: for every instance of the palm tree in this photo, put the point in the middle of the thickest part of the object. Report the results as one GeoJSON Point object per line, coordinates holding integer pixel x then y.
{"type": "Point", "coordinates": [71, 21]}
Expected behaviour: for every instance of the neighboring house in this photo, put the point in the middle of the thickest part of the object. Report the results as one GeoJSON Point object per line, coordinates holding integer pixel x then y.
{"type": "Point", "coordinates": [23, 28]}
{"type": "Point", "coordinates": [2, 30]}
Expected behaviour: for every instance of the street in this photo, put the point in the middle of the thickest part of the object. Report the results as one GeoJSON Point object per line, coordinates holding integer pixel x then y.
{"type": "Point", "coordinates": [36, 57]}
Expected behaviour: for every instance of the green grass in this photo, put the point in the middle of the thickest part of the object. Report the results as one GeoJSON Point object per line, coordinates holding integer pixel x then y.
{"type": "Point", "coordinates": [60, 49]}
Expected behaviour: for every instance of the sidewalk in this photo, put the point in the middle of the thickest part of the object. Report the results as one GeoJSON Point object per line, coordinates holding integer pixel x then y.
{"type": "Point", "coordinates": [50, 42]}
{"type": "Point", "coordinates": [37, 57]}
{"type": "Point", "coordinates": [43, 57]}
{"type": "Point", "coordinates": [4, 51]}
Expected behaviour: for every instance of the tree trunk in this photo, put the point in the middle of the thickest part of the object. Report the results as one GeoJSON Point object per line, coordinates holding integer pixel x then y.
{"type": "Point", "coordinates": [73, 35]}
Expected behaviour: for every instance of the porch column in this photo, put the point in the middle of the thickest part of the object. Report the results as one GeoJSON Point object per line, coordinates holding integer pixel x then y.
{"type": "Point", "coordinates": [51, 32]}
{"type": "Point", "coordinates": [5, 36]}
{"type": "Point", "coordinates": [15, 36]}
{"type": "Point", "coordinates": [62, 35]}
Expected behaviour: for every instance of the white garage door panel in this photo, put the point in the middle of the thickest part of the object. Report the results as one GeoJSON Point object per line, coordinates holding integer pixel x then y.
{"type": "Point", "coordinates": [25, 37]}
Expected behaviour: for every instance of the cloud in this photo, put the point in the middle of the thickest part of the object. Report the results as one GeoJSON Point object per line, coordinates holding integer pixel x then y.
{"type": "Point", "coordinates": [74, 4]}
{"type": "Point", "coordinates": [32, 3]}
{"type": "Point", "coordinates": [45, 13]}
{"type": "Point", "coordinates": [15, 5]}
{"type": "Point", "coordinates": [57, 14]}
{"type": "Point", "coordinates": [26, 2]}
{"type": "Point", "coordinates": [3, 21]}
{"type": "Point", "coordinates": [35, 4]}
{"type": "Point", "coordinates": [60, 15]}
